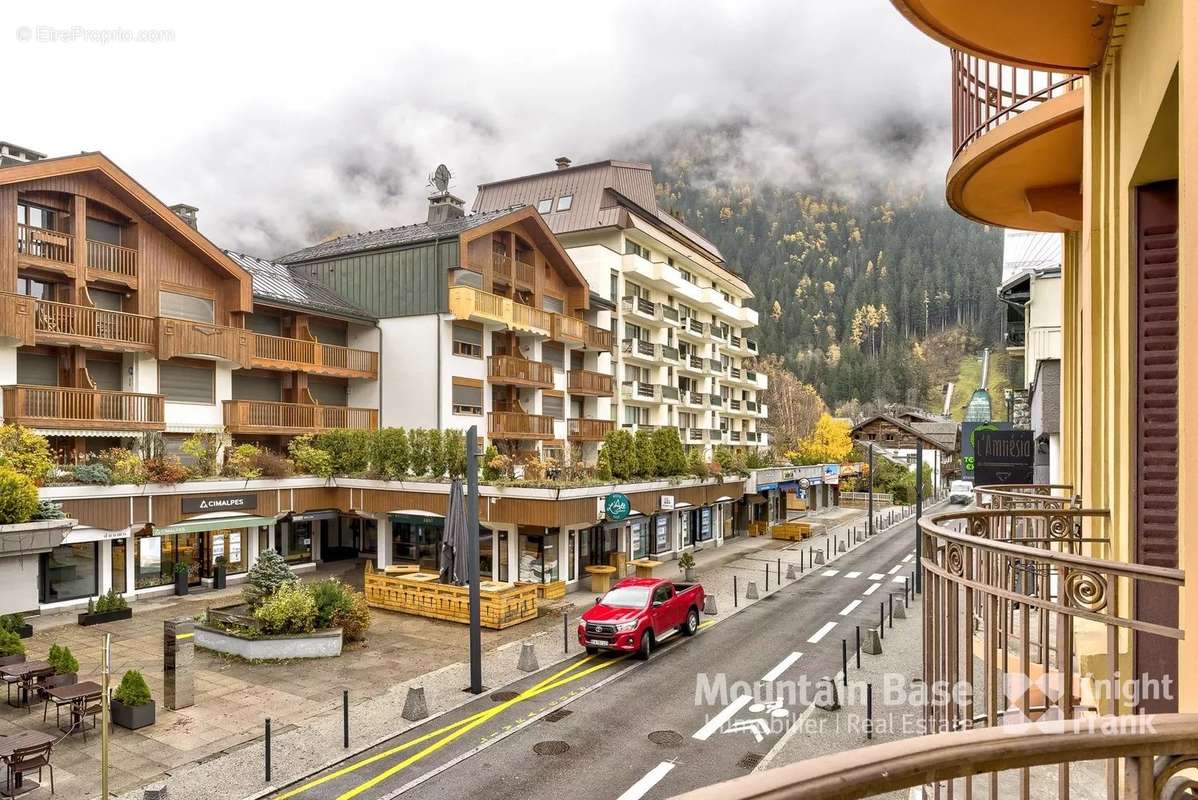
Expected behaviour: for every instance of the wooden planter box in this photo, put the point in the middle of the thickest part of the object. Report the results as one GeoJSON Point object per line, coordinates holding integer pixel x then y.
{"type": "Point", "coordinates": [502, 604]}
{"type": "Point", "coordinates": [100, 617]}
{"type": "Point", "coordinates": [791, 531]}
{"type": "Point", "coordinates": [132, 717]}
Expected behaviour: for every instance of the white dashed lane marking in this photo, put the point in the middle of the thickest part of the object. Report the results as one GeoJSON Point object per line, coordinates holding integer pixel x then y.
{"type": "Point", "coordinates": [781, 667]}
{"type": "Point", "coordinates": [828, 573]}
{"type": "Point", "coordinates": [877, 576]}
{"type": "Point", "coordinates": [821, 633]}
{"type": "Point", "coordinates": [872, 588]}
{"type": "Point", "coordinates": [844, 612]}
{"type": "Point", "coordinates": [852, 574]}
{"type": "Point", "coordinates": [895, 569]}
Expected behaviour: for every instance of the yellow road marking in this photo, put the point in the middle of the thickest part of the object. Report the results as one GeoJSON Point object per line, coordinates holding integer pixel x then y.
{"type": "Point", "coordinates": [484, 717]}
{"type": "Point", "coordinates": [410, 744]}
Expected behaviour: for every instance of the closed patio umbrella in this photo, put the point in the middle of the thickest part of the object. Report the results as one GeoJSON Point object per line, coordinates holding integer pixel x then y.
{"type": "Point", "coordinates": [454, 568]}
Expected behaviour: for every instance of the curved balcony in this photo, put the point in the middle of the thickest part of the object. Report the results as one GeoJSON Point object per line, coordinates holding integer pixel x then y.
{"type": "Point", "coordinates": [1066, 35]}
{"type": "Point", "coordinates": [1017, 146]}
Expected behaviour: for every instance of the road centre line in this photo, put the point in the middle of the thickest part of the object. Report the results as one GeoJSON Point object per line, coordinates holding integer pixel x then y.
{"type": "Point", "coordinates": [828, 573]}
{"type": "Point", "coordinates": [853, 574]}
{"type": "Point", "coordinates": [908, 557]}
{"type": "Point", "coordinates": [639, 789]}
{"type": "Point", "coordinates": [873, 588]}
{"type": "Point", "coordinates": [877, 576]}
{"type": "Point", "coordinates": [844, 612]}
{"type": "Point", "coordinates": [781, 667]}
{"type": "Point", "coordinates": [895, 569]}
{"type": "Point", "coordinates": [717, 722]}
{"type": "Point", "coordinates": [821, 633]}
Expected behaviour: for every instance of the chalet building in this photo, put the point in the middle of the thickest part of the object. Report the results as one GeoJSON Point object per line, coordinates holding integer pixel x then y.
{"type": "Point", "coordinates": [681, 318]}
{"type": "Point", "coordinates": [899, 440]}
{"type": "Point", "coordinates": [488, 312]}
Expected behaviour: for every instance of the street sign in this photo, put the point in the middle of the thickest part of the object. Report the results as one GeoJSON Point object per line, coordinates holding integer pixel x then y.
{"type": "Point", "coordinates": [617, 506]}
{"type": "Point", "coordinates": [1003, 457]}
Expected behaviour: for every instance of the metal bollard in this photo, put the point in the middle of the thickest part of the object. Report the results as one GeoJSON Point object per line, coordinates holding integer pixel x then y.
{"type": "Point", "coordinates": [735, 593]}
{"type": "Point", "coordinates": [565, 633]}
{"type": "Point", "coordinates": [767, 577]}
{"type": "Point", "coordinates": [869, 711]}
{"type": "Point", "coordinates": [882, 619]}
{"type": "Point", "coordinates": [268, 749]}
{"type": "Point", "coordinates": [779, 572]}
{"type": "Point", "coordinates": [801, 562]}
{"type": "Point", "coordinates": [858, 646]}
{"type": "Point", "coordinates": [892, 611]}
{"type": "Point", "coordinates": [844, 662]}
{"type": "Point", "coordinates": [345, 718]}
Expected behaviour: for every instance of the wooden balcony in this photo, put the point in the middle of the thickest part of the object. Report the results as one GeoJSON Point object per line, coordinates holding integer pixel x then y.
{"type": "Point", "coordinates": [510, 271]}
{"type": "Point", "coordinates": [517, 425]}
{"type": "Point", "coordinates": [181, 337]}
{"type": "Point", "coordinates": [596, 338]}
{"type": "Point", "coordinates": [293, 419]}
{"type": "Point", "coordinates": [581, 381]}
{"type": "Point", "coordinates": [569, 330]}
{"type": "Point", "coordinates": [588, 430]}
{"type": "Point", "coordinates": [17, 315]}
{"type": "Point", "coordinates": [284, 353]}
{"type": "Point", "coordinates": [112, 262]}
{"type": "Point", "coordinates": [515, 371]}
{"type": "Point", "coordinates": [39, 244]}
{"type": "Point", "coordinates": [66, 324]}
{"type": "Point", "coordinates": [467, 302]}
{"type": "Point", "coordinates": [89, 409]}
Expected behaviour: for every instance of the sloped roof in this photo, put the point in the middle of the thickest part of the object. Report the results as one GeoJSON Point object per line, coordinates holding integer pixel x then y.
{"type": "Point", "coordinates": [276, 283]}
{"type": "Point", "coordinates": [943, 432]}
{"type": "Point", "coordinates": [386, 238]}
{"type": "Point", "coordinates": [907, 429]}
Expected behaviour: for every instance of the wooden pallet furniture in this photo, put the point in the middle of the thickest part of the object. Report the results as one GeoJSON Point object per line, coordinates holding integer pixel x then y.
{"type": "Point", "coordinates": [422, 594]}
{"type": "Point", "coordinates": [791, 531]}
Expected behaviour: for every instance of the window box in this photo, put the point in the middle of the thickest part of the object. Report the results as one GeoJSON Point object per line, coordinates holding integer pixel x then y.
{"type": "Point", "coordinates": [100, 617]}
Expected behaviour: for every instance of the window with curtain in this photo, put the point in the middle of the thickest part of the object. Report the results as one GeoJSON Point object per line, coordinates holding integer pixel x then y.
{"type": "Point", "coordinates": [467, 400]}
{"type": "Point", "coordinates": [183, 383]}
{"type": "Point", "coordinates": [467, 341]}
{"type": "Point", "coordinates": [186, 306]}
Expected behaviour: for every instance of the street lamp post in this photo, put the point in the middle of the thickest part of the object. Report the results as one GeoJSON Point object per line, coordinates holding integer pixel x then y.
{"type": "Point", "coordinates": [476, 631]}
{"type": "Point", "coordinates": [870, 487]}
{"type": "Point", "coordinates": [918, 514]}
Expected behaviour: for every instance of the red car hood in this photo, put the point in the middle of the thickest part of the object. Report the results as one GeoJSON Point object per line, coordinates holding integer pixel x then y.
{"type": "Point", "coordinates": [612, 614]}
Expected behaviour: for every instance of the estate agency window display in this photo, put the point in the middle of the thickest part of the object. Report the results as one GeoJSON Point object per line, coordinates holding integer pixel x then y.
{"type": "Point", "coordinates": [197, 541]}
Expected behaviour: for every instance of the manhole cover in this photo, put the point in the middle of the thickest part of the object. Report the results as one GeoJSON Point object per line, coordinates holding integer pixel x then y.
{"type": "Point", "coordinates": [749, 760]}
{"type": "Point", "coordinates": [560, 714]}
{"type": "Point", "coordinates": [666, 738]}
{"type": "Point", "coordinates": [550, 748]}
{"type": "Point", "coordinates": [503, 697]}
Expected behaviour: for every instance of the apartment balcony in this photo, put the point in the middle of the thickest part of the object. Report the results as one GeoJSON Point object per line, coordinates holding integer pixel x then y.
{"type": "Point", "coordinates": [752, 437]}
{"type": "Point", "coordinates": [517, 425]}
{"type": "Point", "coordinates": [716, 401]}
{"type": "Point", "coordinates": [693, 330]}
{"type": "Point", "coordinates": [514, 371]}
{"type": "Point", "coordinates": [692, 364]}
{"type": "Point", "coordinates": [513, 272]}
{"type": "Point", "coordinates": [1066, 35]}
{"type": "Point", "coordinates": [294, 419]}
{"type": "Point", "coordinates": [669, 394]}
{"type": "Point", "coordinates": [469, 303]}
{"type": "Point", "coordinates": [698, 399]}
{"type": "Point", "coordinates": [588, 430]}
{"type": "Point", "coordinates": [638, 391]}
{"type": "Point", "coordinates": [757, 379]}
{"type": "Point", "coordinates": [70, 408]}
{"type": "Point", "coordinates": [647, 312]}
{"type": "Point", "coordinates": [661, 275]}
{"type": "Point", "coordinates": [734, 437]}
{"type": "Point", "coordinates": [751, 345]}
{"type": "Point", "coordinates": [669, 354]}
{"type": "Point", "coordinates": [715, 436]}
{"type": "Point", "coordinates": [318, 358]}
{"type": "Point", "coordinates": [1017, 145]}
{"type": "Point", "coordinates": [33, 322]}
{"type": "Point", "coordinates": [585, 382]}
{"type": "Point", "coordinates": [693, 435]}
{"type": "Point", "coordinates": [111, 262]}
{"type": "Point", "coordinates": [577, 332]}
{"type": "Point", "coordinates": [640, 350]}
{"type": "Point", "coordinates": [182, 337]}
{"type": "Point", "coordinates": [44, 247]}
{"type": "Point", "coordinates": [734, 406]}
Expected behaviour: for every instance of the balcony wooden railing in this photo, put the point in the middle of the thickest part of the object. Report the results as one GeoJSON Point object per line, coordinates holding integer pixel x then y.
{"type": "Point", "coordinates": [986, 94]}
{"type": "Point", "coordinates": [17, 315]}
{"type": "Point", "coordinates": [47, 244]}
{"type": "Point", "coordinates": [515, 425]}
{"type": "Point", "coordinates": [259, 416]}
{"type": "Point", "coordinates": [112, 259]}
{"type": "Point", "coordinates": [589, 430]}
{"type": "Point", "coordinates": [519, 372]}
{"type": "Point", "coordinates": [596, 338]}
{"type": "Point", "coordinates": [506, 270]}
{"type": "Point", "coordinates": [581, 381]}
{"type": "Point", "coordinates": [568, 330]}
{"type": "Point", "coordinates": [282, 352]}
{"type": "Point", "coordinates": [183, 337]}
{"type": "Point", "coordinates": [531, 319]}
{"type": "Point", "coordinates": [90, 409]}
{"type": "Point", "coordinates": [64, 323]}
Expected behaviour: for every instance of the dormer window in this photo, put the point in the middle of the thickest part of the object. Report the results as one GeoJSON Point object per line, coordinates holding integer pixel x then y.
{"type": "Point", "coordinates": [564, 202]}
{"type": "Point", "coordinates": [545, 206]}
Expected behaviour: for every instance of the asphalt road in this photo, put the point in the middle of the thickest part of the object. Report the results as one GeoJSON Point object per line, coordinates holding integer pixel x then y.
{"type": "Point", "coordinates": [611, 727]}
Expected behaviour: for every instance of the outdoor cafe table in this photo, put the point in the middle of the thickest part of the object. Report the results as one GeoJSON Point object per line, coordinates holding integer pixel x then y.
{"type": "Point", "coordinates": [77, 695]}
{"type": "Point", "coordinates": [645, 567]}
{"type": "Point", "coordinates": [600, 577]}
{"type": "Point", "coordinates": [8, 746]}
{"type": "Point", "coordinates": [25, 674]}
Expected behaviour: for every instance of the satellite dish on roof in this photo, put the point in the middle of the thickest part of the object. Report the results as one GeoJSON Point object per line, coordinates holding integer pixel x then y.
{"type": "Point", "coordinates": [440, 178]}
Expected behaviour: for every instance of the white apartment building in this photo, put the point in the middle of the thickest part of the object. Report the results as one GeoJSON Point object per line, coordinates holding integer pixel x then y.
{"type": "Point", "coordinates": [681, 322]}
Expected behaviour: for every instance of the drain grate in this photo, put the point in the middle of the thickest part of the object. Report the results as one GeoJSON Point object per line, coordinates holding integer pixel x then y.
{"type": "Point", "coordinates": [666, 738]}
{"type": "Point", "coordinates": [749, 760]}
{"type": "Point", "coordinates": [503, 697]}
{"type": "Point", "coordinates": [557, 716]}
{"type": "Point", "coordinates": [553, 747]}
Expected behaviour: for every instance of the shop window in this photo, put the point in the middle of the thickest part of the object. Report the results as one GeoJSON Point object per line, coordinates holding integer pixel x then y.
{"type": "Point", "coordinates": [417, 540]}
{"type": "Point", "coordinates": [661, 534]}
{"type": "Point", "coordinates": [70, 572]}
{"type": "Point", "coordinates": [538, 557]}
{"type": "Point", "coordinates": [295, 542]}
{"type": "Point", "coordinates": [639, 539]}
{"type": "Point", "coordinates": [120, 558]}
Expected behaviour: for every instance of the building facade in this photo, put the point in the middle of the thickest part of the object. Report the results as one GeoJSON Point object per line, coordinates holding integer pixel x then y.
{"type": "Point", "coordinates": [684, 355]}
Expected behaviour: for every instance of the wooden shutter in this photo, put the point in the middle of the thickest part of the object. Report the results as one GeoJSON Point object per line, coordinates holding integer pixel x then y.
{"type": "Point", "coordinates": [1156, 524]}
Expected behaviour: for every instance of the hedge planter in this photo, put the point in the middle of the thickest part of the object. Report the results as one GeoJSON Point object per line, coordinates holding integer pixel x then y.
{"type": "Point", "coordinates": [318, 644]}
{"type": "Point", "coordinates": [132, 717]}
{"type": "Point", "coordinates": [181, 579]}
{"type": "Point", "coordinates": [100, 617]}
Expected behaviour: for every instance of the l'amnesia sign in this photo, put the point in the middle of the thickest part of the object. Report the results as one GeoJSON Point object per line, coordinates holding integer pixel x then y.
{"type": "Point", "coordinates": [1004, 457]}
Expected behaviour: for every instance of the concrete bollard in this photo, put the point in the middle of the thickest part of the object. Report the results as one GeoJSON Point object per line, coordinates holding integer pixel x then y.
{"type": "Point", "coordinates": [791, 573]}
{"type": "Point", "coordinates": [817, 557]}
{"type": "Point", "coordinates": [827, 696]}
{"type": "Point", "coordinates": [900, 610]}
{"type": "Point", "coordinates": [709, 606]}
{"type": "Point", "coordinates": [872, 643]}
{"type": "Point", "coordinates": [528, 658]}
{"type": "Point", "coordinates": [751, 592]}
{"type": "Point", "coordinates": [415, 707]}
{"type": "Point", "coordinates": [155, 791]}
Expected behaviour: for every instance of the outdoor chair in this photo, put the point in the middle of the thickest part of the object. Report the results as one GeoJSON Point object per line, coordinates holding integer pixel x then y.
{"type": "Point", "coordinates": [27, 759]}
{"type": "Point", "coordinates": [43, 691]}
{"type": "Point", "coordinates": [91, 708]}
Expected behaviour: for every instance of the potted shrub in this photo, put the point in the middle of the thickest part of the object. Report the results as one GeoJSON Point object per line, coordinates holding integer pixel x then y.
{"type": "Point", "coordinates": [12, 649]}
{"type": "Point", "coordinates": [181, 578]}
{"type": "Point", "coordinates": [132, 706]}
{"type": "Point", "coordinates": [219, 572]}
{"type": "Point", "coordinates": [62, 660]}
{"type": "Point", "coordinates": [686, 563]}
{"type": "Point", "coordinates": [109, 607]}
{"type": "Point", "coordinates": [15, 623]}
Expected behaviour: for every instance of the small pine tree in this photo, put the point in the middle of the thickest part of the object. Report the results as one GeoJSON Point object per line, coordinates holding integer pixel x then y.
{"type": "Point", "coordinates": [646, 455]}
{"type": "Point", "coordinates": [671, 457]}
{"type": "Point", "coordinates": [620, 451]}
{"type": "Point", "coordinates": [269, 572]}
{"type": "Point", "coordinates": [437, 465]}
{"type": "Point", "coordinates": [491, 469]}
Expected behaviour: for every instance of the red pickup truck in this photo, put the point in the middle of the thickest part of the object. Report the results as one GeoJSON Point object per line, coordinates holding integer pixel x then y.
{"type": "Point", "coordinates": [639, 612]}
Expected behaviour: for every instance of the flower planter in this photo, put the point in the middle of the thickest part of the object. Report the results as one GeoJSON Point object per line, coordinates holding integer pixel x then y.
{"type": "Point", "coordinates": [100, 617]}
{"type": "Point", "coordinates": [25, 631]}
{"type": "Point", "coordinates": [318, 644]}
{"type": "Point", "coordinates": [689, 574]}
{"type": "Point", "coordinates": [181, 588]}
{"type": "Point", "coordinates": [132, 717]}
{"type": "Point", "coordinates": [219, 574]}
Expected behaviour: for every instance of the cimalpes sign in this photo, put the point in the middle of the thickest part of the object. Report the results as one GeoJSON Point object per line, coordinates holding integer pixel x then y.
{"type": "Point", "coordinates": [1003, 457]}
{"type": "Point", "coordinates": [220, 502]}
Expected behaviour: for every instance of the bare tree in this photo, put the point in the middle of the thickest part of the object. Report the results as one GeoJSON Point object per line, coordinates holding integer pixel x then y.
{"type": "Point", "coordinates": [794, 407]}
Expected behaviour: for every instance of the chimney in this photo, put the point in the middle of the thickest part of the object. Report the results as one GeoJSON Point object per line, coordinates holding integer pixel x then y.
{"type": "Point", "coordinates": [563, 162]}
{"type": "Point", "coordinates": [187, 214]}
{"type": "Point", "coordinates": [15, 154]}
{"type": "Point", "coordinates": [443, 207]}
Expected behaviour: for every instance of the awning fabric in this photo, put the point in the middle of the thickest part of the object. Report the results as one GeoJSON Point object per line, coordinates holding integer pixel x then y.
{"type": "Point", "coordinates": [223, 523]}
{"type": "Point", "coordinates": [81, 432]}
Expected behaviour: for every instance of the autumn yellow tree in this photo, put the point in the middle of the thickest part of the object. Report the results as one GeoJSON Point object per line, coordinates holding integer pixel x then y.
{"type": "Point", "coordinates": [794, 407]}
{"type": "Point", "coordinates": [829, 443]}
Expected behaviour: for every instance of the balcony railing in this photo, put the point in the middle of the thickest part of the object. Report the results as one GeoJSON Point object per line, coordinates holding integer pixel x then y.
{"type": "Point", "coordinates": [112, 259]}
{"type": "Point", "coordinates": [669, 392]}
{"type": "Point", "coordinates": [669, 353]}
{"type": "Point", "coordinates": [568, 330]}
{"type": "Point", "coordinates": [505, 269]}
{"type": "Point", "coordinates": [640, 305]}
{"type": "Point", "coordinates": [986, 94]}
{"type": "Point", "coordinates": [596, 338]}
{"type": "Point", "coordinates": [519, 372]}
{"type": "Point", "coordinates": [70, 324]}
{"type": "Point", "coordinates": [467, 302]}
{"type": "Point", "coordinates": [717, 400]}
{"type": "Point", "coordinates": [693, 326]}
{"type": "Point", "coordinates": [638, 390]}
{"type": "Point", "coordinates": [182, 337]}
{"type": "Point", "coordinates": [515, 425]}
{"type": "Point", "coordinates": [47, 244]}
{"type": "Point", "coordinates": [90, 409]}
{"type": "Point", "coordinates": [639, 348]}
{"type": "Point", "coordinates": [581, 381]}
{"type": "Point", "coordinates": [734, 405]}
{"type": "Point", "coordinates": [531, 319]}
{"type": "Point", "coordinates": [260, 416]}
{"type": "Point", "coordinates": [589, 430]}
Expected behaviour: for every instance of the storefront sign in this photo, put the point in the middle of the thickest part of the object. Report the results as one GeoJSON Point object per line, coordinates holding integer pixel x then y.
{"type": "Point", "coordinates": [832, 474]}
{"type": "Point", "coordinates": [222, 502]}
{"type": "Point", "coordinates": [705, 525]}
{"type": "Point", "coordinates": [617, 506]}
{"type": "Point", "coordinates": [662, 534]}
{"type": "Point", "coordinates": [667, 502]}
{"type": "Point", "coordinates": [804, 483]}
{"type": "Point", "coordinates": [150, 553]}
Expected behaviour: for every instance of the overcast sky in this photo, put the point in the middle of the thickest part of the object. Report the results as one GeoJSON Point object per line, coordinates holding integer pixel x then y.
{"type": "Point", "coordinates": [289, 121]}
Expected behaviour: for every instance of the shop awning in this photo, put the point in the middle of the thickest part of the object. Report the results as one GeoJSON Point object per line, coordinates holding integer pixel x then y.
{"type": "Point", "coordinates": [85, 432]}
{"type": "Point", "coordinates": [222, 523]}
{"type": "Point", "coordinates": [722, 499]}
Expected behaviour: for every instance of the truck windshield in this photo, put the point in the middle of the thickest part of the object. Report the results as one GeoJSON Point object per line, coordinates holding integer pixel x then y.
{"type": "Point", "coordinates": [627, 597]}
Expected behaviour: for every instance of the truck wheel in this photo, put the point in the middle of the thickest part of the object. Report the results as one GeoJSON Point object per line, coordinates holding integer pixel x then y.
{"type": "Point", "coordinates": [692, 623]}
{"type": "Point", "coordinates": [592, 651]}
{"type": "Point", "coordinates": [646, 648]}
